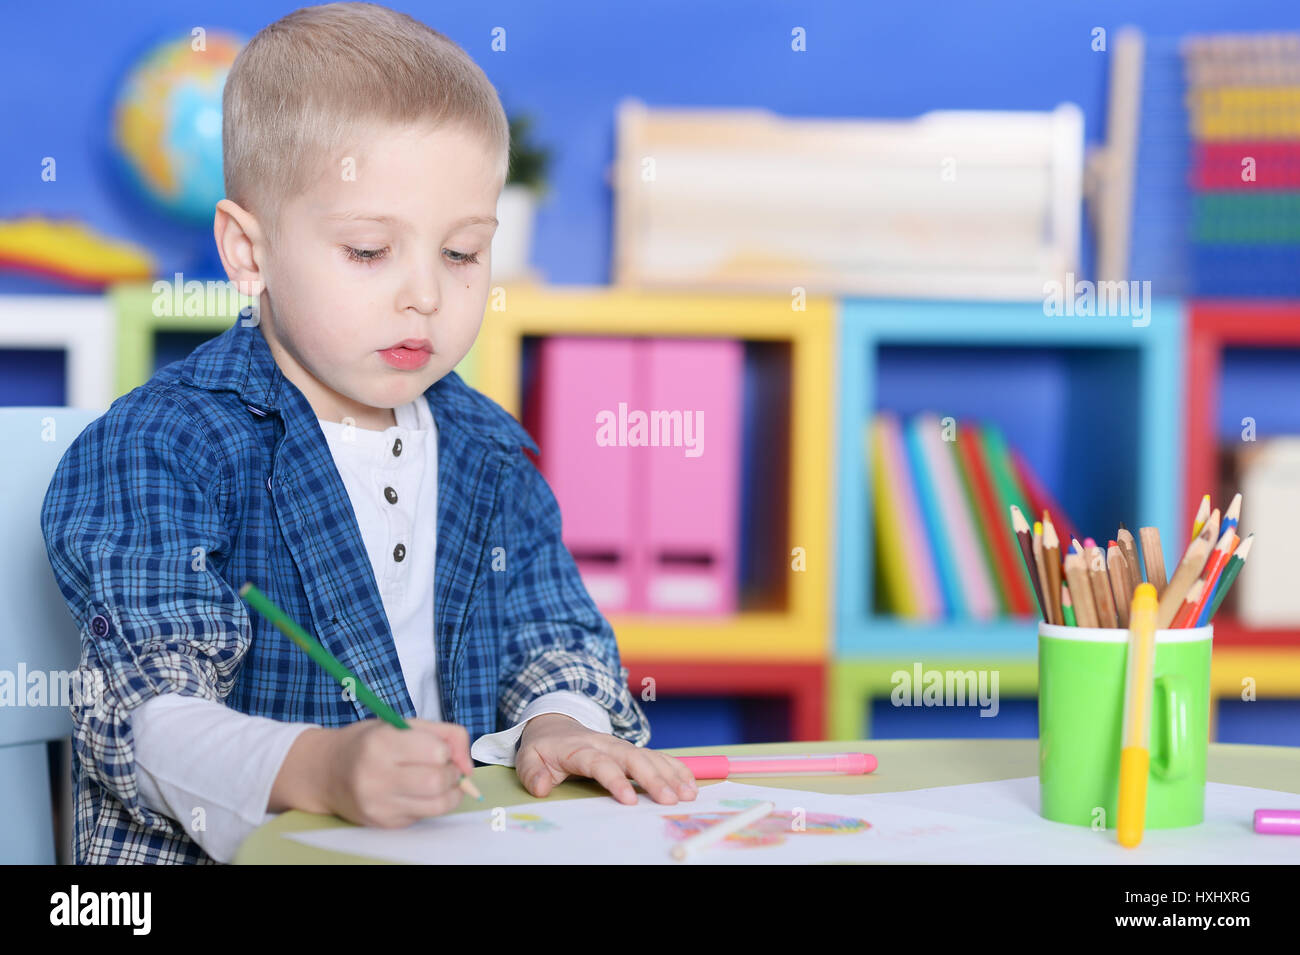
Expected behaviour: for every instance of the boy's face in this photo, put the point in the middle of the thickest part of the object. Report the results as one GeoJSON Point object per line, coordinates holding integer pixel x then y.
{"type": "Point", "coordinates": [394, 247]}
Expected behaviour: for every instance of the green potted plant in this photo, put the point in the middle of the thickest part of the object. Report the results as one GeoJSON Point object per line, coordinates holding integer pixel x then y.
{"type": "Point", "coordinates": [525, 186]}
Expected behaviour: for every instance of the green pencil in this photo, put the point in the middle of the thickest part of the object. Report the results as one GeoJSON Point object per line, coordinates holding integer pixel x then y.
{"type": "Point", "coordinates": [285, 624]}
{"type": "Point", "coordinates": [1230, 573]}
{"type": "Point", "coordinates": [1067, 607]}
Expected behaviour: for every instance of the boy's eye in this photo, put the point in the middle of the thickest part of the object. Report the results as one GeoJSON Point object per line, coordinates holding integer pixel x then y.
{"type": "Point", "coordinates": [369, 256]}
{"type": "Point", "coordinates": [365, 256]}
{"type": "Point", "coordinates": [463, 258]}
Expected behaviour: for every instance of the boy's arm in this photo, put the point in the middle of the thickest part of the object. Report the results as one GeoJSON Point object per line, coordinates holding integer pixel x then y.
{"type": "Point", "coordinates": [135, 529]}
{"type": "Point", "coordinates": [556, 639]}
{"type": "Point", "coordinates": [209, 767]}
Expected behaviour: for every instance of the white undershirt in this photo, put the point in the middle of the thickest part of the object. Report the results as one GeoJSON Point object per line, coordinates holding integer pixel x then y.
{"type": "Point", "coordinates": [194, 754]}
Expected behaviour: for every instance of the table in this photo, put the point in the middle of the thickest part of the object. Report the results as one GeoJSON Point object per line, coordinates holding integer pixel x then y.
{"type": "Point", "coordinates": [903, 764]}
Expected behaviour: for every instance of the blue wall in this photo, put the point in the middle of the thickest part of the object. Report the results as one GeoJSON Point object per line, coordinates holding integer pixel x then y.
{"type": "Point", "coordinates": [568, 62]}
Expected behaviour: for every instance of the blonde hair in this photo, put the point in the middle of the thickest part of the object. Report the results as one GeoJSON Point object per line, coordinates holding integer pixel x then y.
{"type": "Point", "coordinates": [307, 83]}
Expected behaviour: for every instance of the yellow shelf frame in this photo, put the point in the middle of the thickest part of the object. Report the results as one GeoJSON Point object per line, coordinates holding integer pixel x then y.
{"type": "Point", "coordinates": [801, 632]}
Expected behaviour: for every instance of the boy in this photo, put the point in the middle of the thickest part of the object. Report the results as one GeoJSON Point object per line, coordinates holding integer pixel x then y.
{"type": "Point", "coordinates": [325, 450]}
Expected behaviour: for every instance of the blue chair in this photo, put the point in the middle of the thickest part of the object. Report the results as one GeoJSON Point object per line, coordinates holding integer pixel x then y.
{"type": "Point", "coordinates": [39, 635]}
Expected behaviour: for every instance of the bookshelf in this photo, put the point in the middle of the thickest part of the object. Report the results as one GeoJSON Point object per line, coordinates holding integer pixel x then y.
{"type": "Point", "coordinates": [1268, 658]}
{"type": "Point", "coordinates": [778, 652]}
{"type": "Point", "coordinates": [796, 633]}
{"type": "Point", "coordinates": [42, 336]}
{"type": "Point", "coordinates": [1030, 373]}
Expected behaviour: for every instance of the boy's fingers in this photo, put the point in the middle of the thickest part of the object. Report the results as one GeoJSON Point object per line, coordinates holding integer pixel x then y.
{"type": "Point", "coordinates": [539, 782]}
{"type": "Point", "coordinates": [421, 744]}
{"type": "Point", "coordinates": [456, 737]}
{"type": "Point", "coordinates": [684, 778]}
{"type": "Point", "coordinates": [594, 764]}
{"type": "Point", "coordinates": [652, 771]}
{"type": "Point", "coordinates": [423, 783]}
{"type": "Point", "coordinates": [438, 805]}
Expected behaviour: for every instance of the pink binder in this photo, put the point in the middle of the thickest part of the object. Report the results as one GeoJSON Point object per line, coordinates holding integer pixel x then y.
{"type": "Point", "coordinates": [692, 403]}
{"type": "Point", "coordinates": [583, 380]}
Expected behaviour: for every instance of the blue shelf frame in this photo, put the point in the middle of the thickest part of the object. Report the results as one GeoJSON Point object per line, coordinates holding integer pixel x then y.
{"type": "Point", "coordinates": [865, 326]}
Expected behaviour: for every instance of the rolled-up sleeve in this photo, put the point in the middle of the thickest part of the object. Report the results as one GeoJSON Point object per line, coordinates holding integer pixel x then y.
{"type": "Point", "coordinates": [555, 637]}
{"type": "Point", "coordinates": [135, 529]}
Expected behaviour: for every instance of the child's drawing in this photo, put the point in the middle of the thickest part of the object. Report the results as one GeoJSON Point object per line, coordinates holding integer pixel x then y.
{"type": "Point", "coordinates": [529, 822]}
{"type": "Point", "coordinates": [768, 831]}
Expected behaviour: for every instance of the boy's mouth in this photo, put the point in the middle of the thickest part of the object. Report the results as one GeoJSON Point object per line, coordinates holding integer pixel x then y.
{"type": "Point", "coordinates": [408, 354]}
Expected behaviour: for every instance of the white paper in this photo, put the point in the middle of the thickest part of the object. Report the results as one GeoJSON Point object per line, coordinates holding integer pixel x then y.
{"type": "Point", "coordinates": [979, 823]}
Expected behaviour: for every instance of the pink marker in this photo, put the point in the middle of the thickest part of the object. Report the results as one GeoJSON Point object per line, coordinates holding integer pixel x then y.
{"type": "Point", "coordinates": [813, 764]}
{"type": "Point", "coordinates": [1278, 822]}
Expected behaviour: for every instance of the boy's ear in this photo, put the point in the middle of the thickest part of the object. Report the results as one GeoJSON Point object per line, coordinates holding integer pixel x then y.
{"type": "Point", "coordinates": [238, 235]}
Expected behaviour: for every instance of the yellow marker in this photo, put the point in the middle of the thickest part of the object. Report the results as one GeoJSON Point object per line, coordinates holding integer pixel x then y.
{"type": "Point", "coordinates": [1134, 755]}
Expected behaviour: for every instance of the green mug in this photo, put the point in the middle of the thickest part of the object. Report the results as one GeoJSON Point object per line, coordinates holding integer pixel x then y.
{"type": "Point", "coordinates": [1081, 680]}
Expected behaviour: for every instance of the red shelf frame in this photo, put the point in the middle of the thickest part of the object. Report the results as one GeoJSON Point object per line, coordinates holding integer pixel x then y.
{"type": "Point", "coordinates": [804, 684]}
{"type": "Point", "coordinates": [1215, 325]}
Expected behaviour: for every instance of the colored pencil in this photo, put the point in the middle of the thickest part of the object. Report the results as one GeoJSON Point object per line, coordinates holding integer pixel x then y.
{"type": "Point", "coordinates": [1076, 572]}
{"type": "Point", "coordinates": [1052, 561]}
{"type": "Point", "coordinates": [1232, 515]}
{"type": "Point", "coordinates": [1124, 537]}
{"type": "Point", "coordinates": [1213, 526]}
{"type": "Point", "coordinates": [1043, 583]}
{"type": "Point", "coordinates": [328, 662]}
{"type": "Point", "coordinates": [1187, 611]}
{"type": "Point", "coordinates": [1067, 608]}
{"type": "Point", "coordinates": [1202, 515]}
{"type": "Point", "coordinates": [1102, 598]}
{"type": "Point", "coordinates": [1189, 568]}
{"type": "Point", "coordinates": [1219, 557]}
{"type": "Point", "coordinates": [1118, 574]}
{"type": "Point", "coordinates": [721, 829]}
{"type": "Point", "coordinates": [1153, 557]}
{"type": "Point", "coordinates": [1026, 540]}
{"type": "Point", "coordinates": [1230, 574]}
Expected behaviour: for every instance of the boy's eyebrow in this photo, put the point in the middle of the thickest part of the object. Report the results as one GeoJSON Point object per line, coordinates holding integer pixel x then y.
{"type": "Point", "coordinates": [395, 221]}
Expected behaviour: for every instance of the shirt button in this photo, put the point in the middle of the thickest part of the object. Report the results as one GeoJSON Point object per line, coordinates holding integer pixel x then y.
{"type": "Point", "coordinates": [390, 495]}
{"type": "Point", "coordinates": [397, 447]}
{"type": "Point", "coordinates": [99, 625]}
{"type": "Point", "coordinates": [399, 552]}
{"type": "Point", "coordinates": [268, 482]}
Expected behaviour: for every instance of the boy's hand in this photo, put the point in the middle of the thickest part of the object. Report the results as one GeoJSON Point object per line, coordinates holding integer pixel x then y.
{"type": "Point", "coordinates": [554, 747]}
{"type": "Point", "coordinates": [379, 775]}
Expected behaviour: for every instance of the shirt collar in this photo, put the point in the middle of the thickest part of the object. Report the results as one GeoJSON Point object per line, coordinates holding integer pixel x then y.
{"type": "Point", "coordinates": [240, 360]}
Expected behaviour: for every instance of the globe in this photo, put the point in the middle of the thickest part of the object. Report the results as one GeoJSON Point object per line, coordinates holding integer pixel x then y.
{"type": "Point", "coordinates": [167, 123]}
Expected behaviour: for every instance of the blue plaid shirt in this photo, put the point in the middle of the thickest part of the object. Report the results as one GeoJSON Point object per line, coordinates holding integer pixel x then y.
{"type": "Point", "coordinates": [216, 472]}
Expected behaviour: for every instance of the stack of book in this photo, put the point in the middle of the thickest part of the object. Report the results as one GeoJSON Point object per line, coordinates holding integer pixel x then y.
{"type": "Point", "coordinates": [940, 490]}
